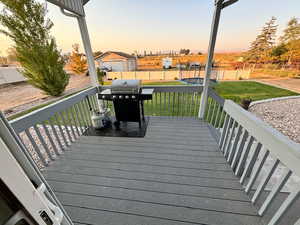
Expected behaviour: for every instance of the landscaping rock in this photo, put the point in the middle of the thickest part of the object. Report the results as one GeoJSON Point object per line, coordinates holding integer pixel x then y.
{"type": "Point", "coordinates": [283, 115]}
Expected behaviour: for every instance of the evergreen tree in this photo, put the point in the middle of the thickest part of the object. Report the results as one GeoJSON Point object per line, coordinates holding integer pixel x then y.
{"type": "Point", "coordinates": [25, 22]}
{"type": "Point", "coordinates": [292, 31]}
{"type": "Point", "coordinates": [291, 40]}
{"type": "Point", "coordinates": [260, 48]}
{"type": "Point", "coordinates": [78, 62]}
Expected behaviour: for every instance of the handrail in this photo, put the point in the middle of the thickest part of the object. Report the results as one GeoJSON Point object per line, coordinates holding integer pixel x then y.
{"type": "Point", "coordinates": [216, 97]}
{"type": "Point", "coordinates": [49, 131]}
{"type": "Point", "coordinates": [171, 100]}
{"type": "Point", "coordinates": [33, 118]}
{"type": "Point", "coordinates": [279, 145]}
{"type": "Point", "coordinates": [247, 144]}
{"type": "Point", "coordinates": [214, 114]}
{"type": "Point", "coordinates": [169, 88]}
{"type": "Point", "coordinates": [176, 88]}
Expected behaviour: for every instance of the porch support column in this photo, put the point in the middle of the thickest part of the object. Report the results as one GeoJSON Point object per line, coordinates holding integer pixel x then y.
{"type": "Point", "coordinates": [211, 49]}
{"type": "Point", "coordinates": [88, 50]}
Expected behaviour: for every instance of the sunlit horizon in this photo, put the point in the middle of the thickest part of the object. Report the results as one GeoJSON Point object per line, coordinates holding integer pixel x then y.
{"type": "Point", "coordinates": [133, 25]}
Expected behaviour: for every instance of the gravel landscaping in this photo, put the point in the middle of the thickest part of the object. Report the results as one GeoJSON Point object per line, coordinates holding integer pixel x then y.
{"type": "Point", "coordinates": [283, 115]}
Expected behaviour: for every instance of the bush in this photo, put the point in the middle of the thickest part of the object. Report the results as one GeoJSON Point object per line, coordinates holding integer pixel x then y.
{"type": "Point", "coordinates": [175, 78]}
{"type": "Point", "coordinates": [100, 75]}
{"type": "Point", "coordinates": [43, 66]}
{"type": "Point", "coordinates": [245, 103]}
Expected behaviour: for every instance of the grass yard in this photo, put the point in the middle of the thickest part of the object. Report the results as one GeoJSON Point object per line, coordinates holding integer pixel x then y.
{"type": "Point", "coordinates": [238, 90]}
{"type": "Point", "coordinates": [187, 104]}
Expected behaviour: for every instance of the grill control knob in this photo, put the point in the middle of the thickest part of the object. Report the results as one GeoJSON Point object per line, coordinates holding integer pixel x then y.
{"type": "Point", "coordinates": [133, 96]}
{"type": "Point", "coordinates": [127, 97]}
{"type": "Point", "coordinates": [103, 96]}
{"type": "Point", "coordinates": [114, 96]}
{"type": "Point", "coordinates": [120, 97]}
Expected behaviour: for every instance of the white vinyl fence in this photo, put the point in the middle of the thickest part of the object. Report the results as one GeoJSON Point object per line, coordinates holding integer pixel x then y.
{"type": "Point", "coordinates": [177, 74]}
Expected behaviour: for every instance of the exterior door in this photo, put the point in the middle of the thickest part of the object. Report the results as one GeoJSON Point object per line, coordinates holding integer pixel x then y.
{"type": "Point", "coordinates": [21, 202]}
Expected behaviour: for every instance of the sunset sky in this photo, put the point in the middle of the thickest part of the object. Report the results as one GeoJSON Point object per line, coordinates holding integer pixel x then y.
{"type": "Point", "coordinates": [129, 25]}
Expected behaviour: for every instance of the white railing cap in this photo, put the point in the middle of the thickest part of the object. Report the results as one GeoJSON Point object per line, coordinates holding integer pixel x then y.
{"type": "Point", "coordinates": [280, 146]}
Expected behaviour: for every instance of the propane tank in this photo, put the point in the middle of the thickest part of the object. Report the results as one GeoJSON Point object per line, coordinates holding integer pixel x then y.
{"type": "Point", "coordinates": [100, 120]}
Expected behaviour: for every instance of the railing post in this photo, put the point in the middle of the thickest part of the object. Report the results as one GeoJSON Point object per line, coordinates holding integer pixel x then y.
{"type": "Point", "coordinates": [211, 49]}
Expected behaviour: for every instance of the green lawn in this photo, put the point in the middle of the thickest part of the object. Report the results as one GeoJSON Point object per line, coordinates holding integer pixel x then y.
{"type": "Point", "coordinates": [239, 90]}
{"type": "Point", "coordinates": [174, 104]}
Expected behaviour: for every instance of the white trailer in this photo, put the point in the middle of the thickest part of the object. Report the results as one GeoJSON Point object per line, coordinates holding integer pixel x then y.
{"type": "Point", "coordinates": [167, 63]}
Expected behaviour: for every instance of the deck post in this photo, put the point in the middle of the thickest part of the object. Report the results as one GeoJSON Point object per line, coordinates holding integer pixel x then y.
{"type": "Point", "coordinates": [88, 50]}
{"type": "Point", "coordinates": [211, 49]}
{"type": "Point", "coordinates": [86, 44]}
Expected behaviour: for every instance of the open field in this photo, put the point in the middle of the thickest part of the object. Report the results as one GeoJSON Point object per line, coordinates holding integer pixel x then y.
{"type": "Point", "coordinates": [155, 62]}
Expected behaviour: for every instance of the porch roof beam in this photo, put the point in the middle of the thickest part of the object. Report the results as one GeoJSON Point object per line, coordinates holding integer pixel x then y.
{"type": "Point", "coordinates": [74, 6]}
{"type": "Point", "coordinates": [228, 3]}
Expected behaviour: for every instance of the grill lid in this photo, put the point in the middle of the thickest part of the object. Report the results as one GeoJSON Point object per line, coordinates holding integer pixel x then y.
{"type": "Point", "coordinates": [126, 87]}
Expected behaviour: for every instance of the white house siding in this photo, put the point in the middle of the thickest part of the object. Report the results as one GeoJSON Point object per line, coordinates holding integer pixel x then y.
{"type": "Point", "coordinates": [119, 65]}
{"type": "Point", "coordinates": [132, 65]}
{"type": "Point", "coordinates": [115, 66]}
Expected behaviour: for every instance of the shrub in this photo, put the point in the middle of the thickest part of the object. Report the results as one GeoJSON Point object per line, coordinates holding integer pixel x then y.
{"type": "Point", "coordinates": [245, 103]}
{"type": "Point", "coordinates": [175, 78]}
{"type": "Point", "coordinates": [43, 67]}
{"type": "Point", "coordinates": [100, 75]}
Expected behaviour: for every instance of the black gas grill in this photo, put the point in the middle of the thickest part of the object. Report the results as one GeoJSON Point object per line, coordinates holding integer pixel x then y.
{"type": "Point", "coordinates": [127, 97]}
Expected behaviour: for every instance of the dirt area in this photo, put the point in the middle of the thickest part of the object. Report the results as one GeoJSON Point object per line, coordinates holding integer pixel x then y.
{"type": "Point", "coordinates": [291, 84]}
{"type": "Point", "coordinates": [15, 98]}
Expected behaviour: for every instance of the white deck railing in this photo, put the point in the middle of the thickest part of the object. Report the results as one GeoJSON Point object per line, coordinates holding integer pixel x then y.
{"type": "Point", "coordinates": [248, 143]}
{"type": "Point", "coordinates": [49, 131]}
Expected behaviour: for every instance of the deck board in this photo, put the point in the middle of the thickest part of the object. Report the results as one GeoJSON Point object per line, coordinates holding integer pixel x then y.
{"type": "Point", "coordinates": [175, 175]}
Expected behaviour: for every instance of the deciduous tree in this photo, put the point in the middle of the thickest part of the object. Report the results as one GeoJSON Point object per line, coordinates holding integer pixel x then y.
{"type": "Point", "coordinates": [77, 61]}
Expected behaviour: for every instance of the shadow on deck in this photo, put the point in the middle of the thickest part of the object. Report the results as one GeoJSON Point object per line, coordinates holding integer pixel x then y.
{"type": "Point", "coordinates": [175, 175]}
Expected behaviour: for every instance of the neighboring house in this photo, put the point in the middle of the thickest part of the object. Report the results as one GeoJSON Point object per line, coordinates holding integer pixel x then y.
{"type": "Point", "coordinates": [117, 61]}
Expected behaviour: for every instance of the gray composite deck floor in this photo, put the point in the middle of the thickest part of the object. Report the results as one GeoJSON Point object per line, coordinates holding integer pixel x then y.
{"type": "Point", "coordinates": [175, 175]}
